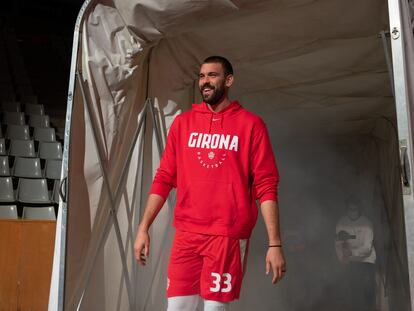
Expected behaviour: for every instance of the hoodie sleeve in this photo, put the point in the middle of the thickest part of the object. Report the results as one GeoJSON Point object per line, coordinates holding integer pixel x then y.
{"type": "Point", "coordinates": [263, 167]}
{"type": "Point", "coordinates": [166, 176]}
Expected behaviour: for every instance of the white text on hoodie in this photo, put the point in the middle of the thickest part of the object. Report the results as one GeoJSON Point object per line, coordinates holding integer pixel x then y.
{"type": "Point", "coordinates": [213, 141]}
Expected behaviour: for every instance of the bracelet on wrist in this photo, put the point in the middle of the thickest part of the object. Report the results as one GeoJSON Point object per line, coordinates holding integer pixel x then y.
{"type": "Point", "coordinates": [275, 245]}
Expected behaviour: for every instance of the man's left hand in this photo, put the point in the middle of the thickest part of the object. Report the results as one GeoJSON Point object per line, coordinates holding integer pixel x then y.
{"type": "Point", "coordinates": [275, 261]}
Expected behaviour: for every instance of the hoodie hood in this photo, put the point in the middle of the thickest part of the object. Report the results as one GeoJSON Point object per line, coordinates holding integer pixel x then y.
{"type": "Point", "coordinates": [212, 116]}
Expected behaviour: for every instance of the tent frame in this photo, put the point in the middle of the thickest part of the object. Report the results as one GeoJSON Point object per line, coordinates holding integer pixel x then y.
{"type": "Point", "coordinates": [404, 133]}
{"type": "Point", "coordinates": [61, 227]}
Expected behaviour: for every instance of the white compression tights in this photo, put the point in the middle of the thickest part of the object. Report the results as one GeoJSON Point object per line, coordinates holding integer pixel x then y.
{"type": "Point", "coordinates": [190, 303]}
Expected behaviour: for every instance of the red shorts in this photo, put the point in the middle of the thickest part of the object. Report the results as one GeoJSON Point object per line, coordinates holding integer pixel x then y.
{"type": "Point", "coordinates": [206, 265]}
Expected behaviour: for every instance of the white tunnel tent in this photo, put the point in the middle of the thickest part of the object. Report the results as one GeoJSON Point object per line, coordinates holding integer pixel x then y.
{"type": "Point", "coordinates": [321, 74]}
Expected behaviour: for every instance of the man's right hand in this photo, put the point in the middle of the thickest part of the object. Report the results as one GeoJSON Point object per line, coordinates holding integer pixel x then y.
{"type": "Point", "coordinates": [141, 246]}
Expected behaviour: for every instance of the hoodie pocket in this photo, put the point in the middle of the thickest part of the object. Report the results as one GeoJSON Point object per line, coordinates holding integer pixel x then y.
{"type": "Point", "coordinates": [213, 202]}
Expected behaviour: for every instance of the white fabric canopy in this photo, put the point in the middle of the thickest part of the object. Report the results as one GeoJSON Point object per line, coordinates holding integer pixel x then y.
{"type": "Point", "coordinates": [314, 70]}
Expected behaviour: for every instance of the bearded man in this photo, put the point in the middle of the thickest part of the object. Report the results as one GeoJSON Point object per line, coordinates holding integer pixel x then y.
{"type": "Point", "coordinates": [219, 157]}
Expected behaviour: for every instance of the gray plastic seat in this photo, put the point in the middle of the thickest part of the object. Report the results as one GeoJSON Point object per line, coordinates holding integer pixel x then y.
{"type": "Point", "coordinates": [33, 191]}
{"type": "Point", "coordinates": [34, 109]}
{"type": "Point", "coordinates": [53, 169]}
{"type": "Point", "coordinates": [17, 118]}
{"type": "Point", "coordinates": [50, 150]}
{"type": "Point", "coordinates": [3, 150]}
{"type": "Point", "coordinates": [39, 120]}
{"type": "Point", "coordinates": [6, 190]}
{"type": "Point", "coordinates": [22, 148]}
{"type": "Point", "coordinates": [44, 134]}
{"type": "Point", "coordinates": [8, 212]}
{"type": "Point", "coordinates": [11, 106]}
{"type": "Point", "coordinates": [39, 213]}
{"type": "Point", "coordinates": [4, 166]}
{"type": "Point", "coordinates": [18, 132]}
{"type": "Point", "coordinates": [27, 167]}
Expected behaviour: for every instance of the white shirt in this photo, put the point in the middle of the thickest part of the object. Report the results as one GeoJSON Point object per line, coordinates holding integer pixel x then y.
{"type": "Point", "coordinates": [361, 247]}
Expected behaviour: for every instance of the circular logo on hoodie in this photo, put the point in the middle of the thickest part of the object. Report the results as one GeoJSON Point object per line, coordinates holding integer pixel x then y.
{"type": "Point", "coordinates": [211, 158]}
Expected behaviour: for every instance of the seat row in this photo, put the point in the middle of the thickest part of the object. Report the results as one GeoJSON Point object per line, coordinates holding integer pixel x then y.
{"type": "Point", "coordinates": [27, 148]}
{"type": "Point", "coordinates": [19, 118]}
{"type": "Point", "coordinates": [22, 132]}
{"type": "Point", "coordinates": [30, 168]}
{"type": "Point", "coordinates": [10, 106]}
{"type": "Point", "coordinates": [29, 191]}
{"type": "Point", "coordinates": [29, 212]}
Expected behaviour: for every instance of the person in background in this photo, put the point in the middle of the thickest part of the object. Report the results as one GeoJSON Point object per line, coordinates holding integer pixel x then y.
{"type": "Point", "coordinates": [355, 251]}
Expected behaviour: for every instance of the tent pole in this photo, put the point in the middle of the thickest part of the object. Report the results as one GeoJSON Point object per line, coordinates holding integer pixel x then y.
{"type": "Point", "coordinates": [388, 59]}
{"type": "Point", "coordinates": [138, 181]}
{"type": "Point", "coordinates": [157, 129]}
{"type": "Point", "coordinates": [404, 130]}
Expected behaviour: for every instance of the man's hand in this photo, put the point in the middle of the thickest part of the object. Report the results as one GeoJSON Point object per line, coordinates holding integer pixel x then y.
{"type": "Point", "coordinates": [275, 261]}
{"type": "Point", "coordinates": [142, 241]}
{"type": "Point", "coordinates": [141, 246]}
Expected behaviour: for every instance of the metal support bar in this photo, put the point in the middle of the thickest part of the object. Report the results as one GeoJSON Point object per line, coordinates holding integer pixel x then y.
{"type": "Point", "coordinates": [65, 163]}
{"type": "Point", "coordinates": [139, 181]}
{"type": "Point", "coordinates": [388, 59]}
{"type": "Point", "coordinates": [404, 125]}
{"type": "Point", "coordinates": [114, 202]}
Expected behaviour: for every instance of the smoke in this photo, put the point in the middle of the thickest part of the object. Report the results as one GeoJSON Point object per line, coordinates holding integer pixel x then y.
{"type": "Point", "coordinates": [318, 175]}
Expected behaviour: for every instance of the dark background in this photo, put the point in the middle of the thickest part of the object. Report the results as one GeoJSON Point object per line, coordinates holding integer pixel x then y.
{"type": "Point", "coordinates": [44, 33]}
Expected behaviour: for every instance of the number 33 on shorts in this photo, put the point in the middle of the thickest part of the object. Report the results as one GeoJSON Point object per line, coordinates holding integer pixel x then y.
{"type": "Point", "coordinates": [222, 283]}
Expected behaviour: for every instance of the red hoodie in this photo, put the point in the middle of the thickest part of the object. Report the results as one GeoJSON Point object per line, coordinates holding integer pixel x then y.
{"type": "Point", "coordinates": [220, 164]}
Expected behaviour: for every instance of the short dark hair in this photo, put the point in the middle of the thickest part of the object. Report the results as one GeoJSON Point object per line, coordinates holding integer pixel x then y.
{"type": "Point", "coordinates": [228, 68]}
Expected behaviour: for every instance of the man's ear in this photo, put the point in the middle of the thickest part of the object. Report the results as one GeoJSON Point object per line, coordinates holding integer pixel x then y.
{"type": "Point", "coordinates": [229, 80]}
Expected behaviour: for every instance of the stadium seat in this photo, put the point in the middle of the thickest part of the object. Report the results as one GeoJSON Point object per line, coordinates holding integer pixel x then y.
{"type": "Point", "coordinates": [18, 132]}
{"type": "Point", "coordinates": [16, 118]}
{"type": "Point", "coordinates": [1, 131]}
{"type": "Point", "coordinates": [3, 150]}
{"type": "Point", "coordinates": [34, 109]}
{"type": "Point", "coordinates": [50, 150]}
{"type": "Point", "coordinates": [4, 166]}
{"type": "Point", "coordinates": [27, 167]}
{"type": "Point", "coordinates": [53, 169]}
{"type": "Point", "coordinates": [44, 134]}
{"type": "Point", "coordinates": [33, 191]}
{"type": "Point", "coordinates": [22, 148]}
{"type": "Point", "coordinates": [10, 106]}
{"type": "Point", "coordinates": [8, 212]}
{"type": "Point", "coordinates": [39, 120]}
{"type": "Point", "coordinates": [39, 213]}
{"type": "Point", "coordinates": [6, 190]}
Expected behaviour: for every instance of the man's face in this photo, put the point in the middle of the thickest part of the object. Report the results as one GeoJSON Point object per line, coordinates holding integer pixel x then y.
{"type": "Point", "coordinates": [213, 83]}
{"type": "Point", "coordinates": [353, 212]}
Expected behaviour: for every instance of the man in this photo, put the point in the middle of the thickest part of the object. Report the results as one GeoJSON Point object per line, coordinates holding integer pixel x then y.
{"type": "Point", "coordinates": [356, 252]}
{"type": "Point", "coordinates": [219, 157]}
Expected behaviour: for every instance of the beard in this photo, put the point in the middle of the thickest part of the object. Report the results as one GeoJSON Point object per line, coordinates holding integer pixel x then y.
{"type": "Point", "coordinates": [215, 96]}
